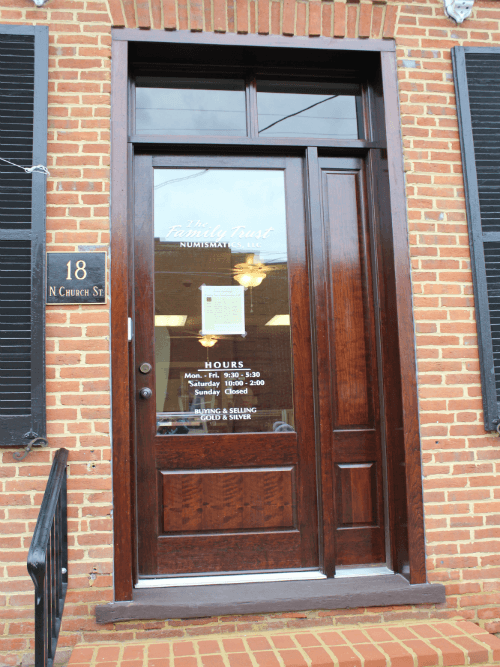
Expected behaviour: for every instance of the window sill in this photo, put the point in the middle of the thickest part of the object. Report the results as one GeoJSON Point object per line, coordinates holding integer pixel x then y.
{"type": "Point", "coordinates": [258, 598]}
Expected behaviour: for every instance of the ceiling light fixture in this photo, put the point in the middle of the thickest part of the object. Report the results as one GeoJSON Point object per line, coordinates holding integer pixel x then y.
{"type": "Point", "coordinates": [250, 273]}
{"type": "Point", "coordinates": [208, 340]}
{"type": "Point", "coordinates": [250, 278]}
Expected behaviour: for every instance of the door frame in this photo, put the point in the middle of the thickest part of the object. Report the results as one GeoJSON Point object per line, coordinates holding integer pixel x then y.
{"type": "Point", "coordinates": [383, 119]}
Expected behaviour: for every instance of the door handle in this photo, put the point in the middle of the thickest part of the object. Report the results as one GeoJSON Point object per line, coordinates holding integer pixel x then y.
{"type": "Point", "coordinates": [145, 393]}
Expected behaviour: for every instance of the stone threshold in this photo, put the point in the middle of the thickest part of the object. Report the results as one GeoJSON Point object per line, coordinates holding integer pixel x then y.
{"type": "Point", "coordinates": [258, 598]}
{"type": "Point", "coordinates": [408, 644]}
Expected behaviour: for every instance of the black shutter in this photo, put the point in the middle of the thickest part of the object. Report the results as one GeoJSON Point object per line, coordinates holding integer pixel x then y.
{"type": "Point", "coordinates": [23, 140]}
{"type": "Point", "coordinates": [477, 85]}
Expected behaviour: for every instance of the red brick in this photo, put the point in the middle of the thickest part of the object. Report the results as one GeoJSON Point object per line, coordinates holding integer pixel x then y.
{"type": "Point", "coordinates": [288, 17]}
{"type": "Point", "coordinates": [185, 662]}
{"type": "Point", "coordinates": [293, 658]}
{"type": "Point", "coordinates": [476, 652]}
{"type": "Point", "coordinates": [390, 21]}
{"type": "Point", "coordinates": [209, 646]}
{"type": "Point", "coordinates": [426, 655]}
{"type": "Point", "coordinates": [108, 653]}
{"type": "Point", "coordinates": [332, 638]}
{"type": "Point", "coordinates": [346, 656]}
{"type": "Point", "coordinates": [212, 661]}
{"type": "Point", "coordinates": [220, 15]}
{"type": "Point", "coordinates": [315, 8]}
{"type": "Point", "coordinates": [365, 20]}
{"type": "Point", "coordinates": [352, 20]}
{"type": "Point", "coordinates": [239, 660]}
{"type": "Point", "coordinates": [371, 655]}
{"type": "Point", "coordinates": [81, 654]}
{"type": "Point", "coordinates": [258, 643]}
{"type": "Point", "coordinates": [158, 650]}
{"type": "Point", "coordinates": [399, 656]}
{"type": "Point", "coordinates": [263, 17]}
{"type": "Point", "coordinates": [339, 20]}
{"type": "Point", "coordinates": [326, 29]}
{"type": "Point", "coordinates": [266, 659]}
{"type": "Point", "coordinates": [451, 654]}
{"type": "Point", "coordinates": [283, 641]}
{"type": "Point", "coordinates": [307, 639]}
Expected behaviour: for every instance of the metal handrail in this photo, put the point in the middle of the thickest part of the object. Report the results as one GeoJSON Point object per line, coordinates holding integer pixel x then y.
{"type": "Point", "coordinates": [48, 562]}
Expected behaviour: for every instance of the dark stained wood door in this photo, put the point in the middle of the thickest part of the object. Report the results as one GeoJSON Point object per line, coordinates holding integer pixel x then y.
{"type": "Point", "coordinates": [348, 341]}
{"type": "Point", "coordinates": [225, 438]}
{"type": "Point", "coordinates": [229, 484]}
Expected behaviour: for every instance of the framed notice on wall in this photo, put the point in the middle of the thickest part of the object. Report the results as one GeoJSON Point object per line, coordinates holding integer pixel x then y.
{"type": "Point", "coordinates": [76, 277]}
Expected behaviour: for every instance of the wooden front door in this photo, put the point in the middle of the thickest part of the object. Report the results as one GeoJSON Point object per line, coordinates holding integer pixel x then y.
{"type": "Point", "coordinates": [258, 406]}
{"type": "Point", "coordinates": [223, 379]}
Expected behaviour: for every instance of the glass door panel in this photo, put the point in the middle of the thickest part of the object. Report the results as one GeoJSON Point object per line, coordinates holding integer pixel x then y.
{"type": "Point", "coordinates": [222, 314]}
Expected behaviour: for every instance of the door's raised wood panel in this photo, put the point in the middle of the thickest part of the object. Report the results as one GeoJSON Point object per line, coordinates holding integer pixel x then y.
{"type": "Point", "coordinates": [224, 500]}
{"type": "Point", "coordinates": [349, 331]}
{"type": "Point", "coordinates": [360, 546]}
{"type": "Point", "coordinates": [228, 552]}
{"type": "Point", "coordinates": [357, 494]}
{"type": "Point", "coordinates": [224, 450]}
{"type": "Point", "coordinates": [362, 441]}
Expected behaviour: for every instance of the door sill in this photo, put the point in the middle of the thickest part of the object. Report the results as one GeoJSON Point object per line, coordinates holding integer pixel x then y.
{"type": "Point", "coordinates": [270, 597]}
{"type": "Point", "coordinates": [175, 582]}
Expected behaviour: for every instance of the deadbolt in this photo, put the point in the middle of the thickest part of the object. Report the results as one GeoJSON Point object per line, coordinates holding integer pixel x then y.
{"type": "Point", "coordinates": [145, 392]}
{"type": "Point", "coordinates": [145, 368]}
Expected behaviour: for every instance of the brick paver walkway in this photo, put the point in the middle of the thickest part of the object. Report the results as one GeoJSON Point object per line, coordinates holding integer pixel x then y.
{"type": "Point", "coordinates": [429, 644]}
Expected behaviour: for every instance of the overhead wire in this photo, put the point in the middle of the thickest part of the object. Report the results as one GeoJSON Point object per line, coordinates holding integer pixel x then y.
{"type": "Point", "coordinates": [177, 180]}
{"type": "Point", "coordinates": [297, 113]}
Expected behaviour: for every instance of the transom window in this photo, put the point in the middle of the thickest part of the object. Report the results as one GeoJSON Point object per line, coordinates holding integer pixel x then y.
{"type": "Point", "coordinates": [247, 107]}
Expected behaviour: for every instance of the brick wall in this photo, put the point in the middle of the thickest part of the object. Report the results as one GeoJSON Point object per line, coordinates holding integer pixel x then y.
{"type": "Point", "coordinates": [77, 337]}
{"type": "Point", "coordinates": [461, 462]}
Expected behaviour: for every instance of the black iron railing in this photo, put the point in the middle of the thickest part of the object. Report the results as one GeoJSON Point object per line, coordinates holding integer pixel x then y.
{"type": "Point", "coordinates": [48, 562]}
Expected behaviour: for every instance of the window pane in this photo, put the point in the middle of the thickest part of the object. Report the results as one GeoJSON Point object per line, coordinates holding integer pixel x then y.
{"type": "Point", "coordinates": [222, 316]}
{"type": "Point", "coordinates": [190, 106]}
{"type": "Point", "coordinates": [303, 110]}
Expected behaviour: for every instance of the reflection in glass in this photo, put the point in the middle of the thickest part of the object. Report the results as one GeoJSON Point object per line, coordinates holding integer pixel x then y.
{"type": "Point", "coordinates": [222, 316]}
{"type": "Point", "coordinates": [300, 110]}
{"type": "Point", "coordinates": [190, 106]}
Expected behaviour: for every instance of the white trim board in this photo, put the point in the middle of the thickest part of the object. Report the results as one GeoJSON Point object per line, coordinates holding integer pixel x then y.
{"type": "Point", "coordinates": [229, 579]}
{"type": "Point", "coordinates": [369, 571]}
